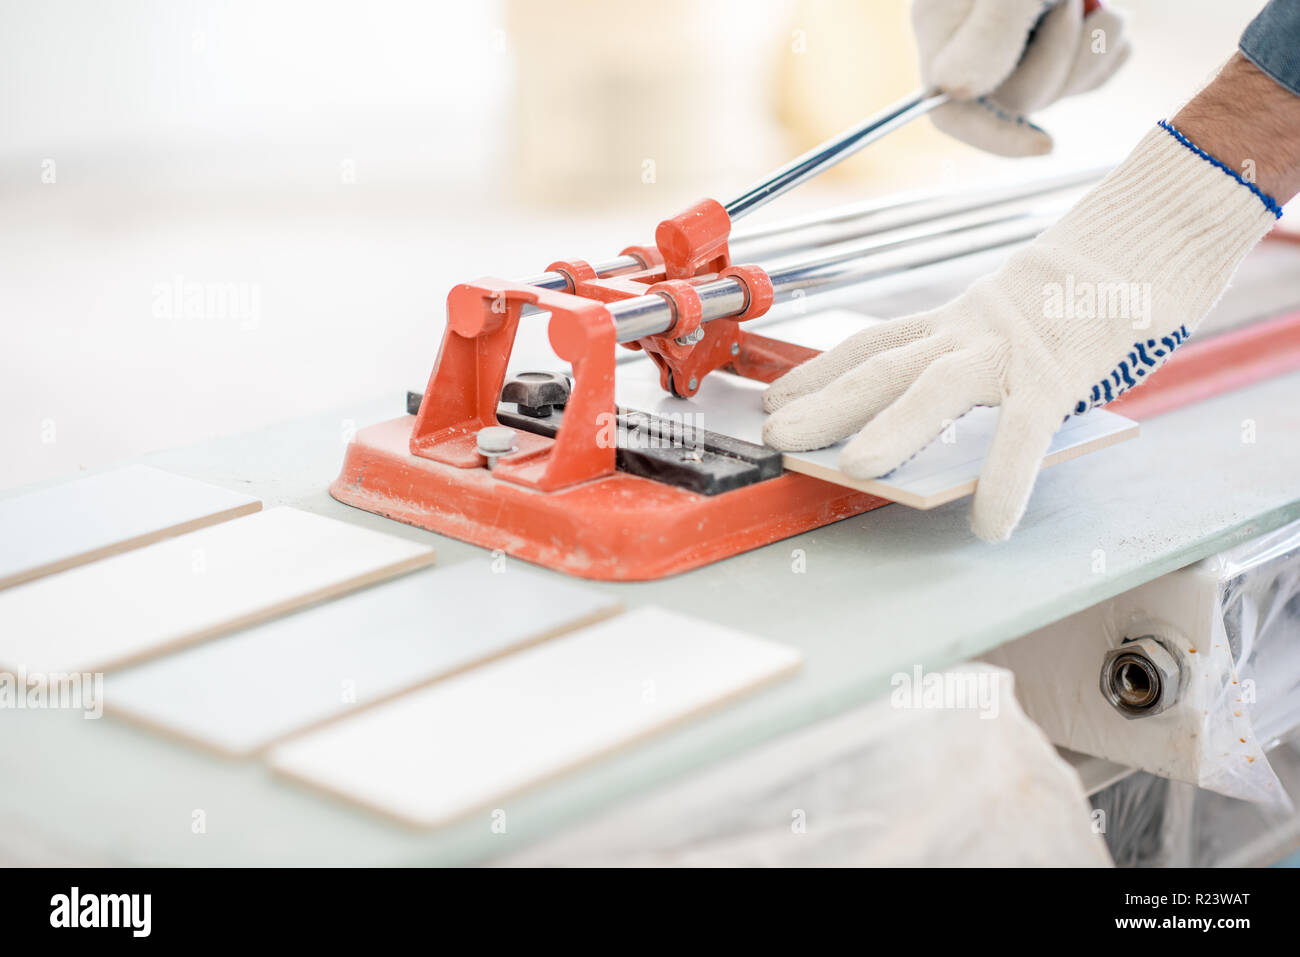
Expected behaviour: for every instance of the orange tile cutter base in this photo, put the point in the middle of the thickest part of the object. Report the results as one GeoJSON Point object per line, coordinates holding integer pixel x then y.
{"type": "Point", "coordinates": [572, 482]}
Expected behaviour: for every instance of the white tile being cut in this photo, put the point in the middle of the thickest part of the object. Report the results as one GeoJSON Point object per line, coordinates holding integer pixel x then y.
{"type": "Point", "coordinates": [241, 693]}
{"type": "Point", "coordinates": [941, 472]}
{"type": "Point", "coordinates": [822, 330]}
{"type": "Point", "coordinates": [89, 518]}
{"type": "Point", "coordinates": [464, 744]}
{"type": "Point", "coordinates": [133, 606]}
{"type": "Point", "coordinates": [945, 471]}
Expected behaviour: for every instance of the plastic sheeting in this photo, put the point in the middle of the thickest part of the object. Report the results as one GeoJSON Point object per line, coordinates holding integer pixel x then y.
{"type": "Point", "coordinates": [945, 770]}
{"type": "Point", "coordinates": [1151, 821]}
{"type": "Point", "coordinates": [1260, 615]}
{"type": "Point", "coordinates": [1234, 619]}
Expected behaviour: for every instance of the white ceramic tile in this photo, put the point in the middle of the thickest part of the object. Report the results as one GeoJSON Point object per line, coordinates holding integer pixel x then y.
{"type": "Point", "coordinates": [950, 470]}
{"type": "Point", "coordinates": [941, 472]}
{"type": "Point", "coordinates": [239, 693]}
{"type": "Point", "coordinates": [471, 741]}
{"type": "Point", "coordinates": [822, 330]}
{"type": "Point", "coordinates": [55, 528]}
{"type": "Point", "coordinates": [132, 606]}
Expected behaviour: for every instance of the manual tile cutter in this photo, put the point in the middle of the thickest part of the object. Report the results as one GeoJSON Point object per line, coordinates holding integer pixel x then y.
{"type": "Point", "coordinates": [549, 470]}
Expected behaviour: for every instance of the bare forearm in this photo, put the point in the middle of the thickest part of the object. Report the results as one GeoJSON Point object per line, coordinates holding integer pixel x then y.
{"type": "Point", "coordinates": [1250, 123]}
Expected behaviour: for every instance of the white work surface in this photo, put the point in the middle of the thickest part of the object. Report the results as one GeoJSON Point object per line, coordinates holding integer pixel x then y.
{"type": "Point", "coordinates": [880, 593]}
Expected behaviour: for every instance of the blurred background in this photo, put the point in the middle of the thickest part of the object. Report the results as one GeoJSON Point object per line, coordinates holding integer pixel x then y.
{"type": "Point", "coordinates": [219, 215]}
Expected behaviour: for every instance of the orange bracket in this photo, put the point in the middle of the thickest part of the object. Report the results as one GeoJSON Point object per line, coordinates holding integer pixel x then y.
{"type": "Point", "coordinates": [694, 242]}
{"type": "Point", "coordinates": [691, 249]}
{"type": "Point", "coordinates": [462, 394]}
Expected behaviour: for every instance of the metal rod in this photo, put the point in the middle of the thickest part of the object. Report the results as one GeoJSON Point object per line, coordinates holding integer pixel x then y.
{"type": "Point", "coordinates": [834, 150]}
{"type": "Point", "coordinates": [557, 282]}
{"type": "Point", "coordinates": [904, 236]}
{"type": "Point", "coordinates": [872, 220]}
{"type": "Point", "coordinates": [858, 220]}
{"type": "Point", "coordinates": [652, 315]}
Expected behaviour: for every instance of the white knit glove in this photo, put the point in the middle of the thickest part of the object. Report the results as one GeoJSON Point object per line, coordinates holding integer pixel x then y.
{"type": "Point", "coordinates": [1002, 62]}
{"type": "Point", "coordinates": [1087, 310]}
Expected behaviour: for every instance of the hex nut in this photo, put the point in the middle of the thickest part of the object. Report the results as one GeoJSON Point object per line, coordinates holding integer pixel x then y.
{"type": "Point", "coordinates": [1142, 677]}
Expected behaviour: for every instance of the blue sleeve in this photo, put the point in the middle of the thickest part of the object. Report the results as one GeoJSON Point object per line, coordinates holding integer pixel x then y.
{"type": "Point", "coordinates": [1272, 42]}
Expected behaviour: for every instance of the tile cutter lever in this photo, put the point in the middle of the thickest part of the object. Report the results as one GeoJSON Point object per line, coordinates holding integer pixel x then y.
{"type": "Point", "coordinates": [834, 150]}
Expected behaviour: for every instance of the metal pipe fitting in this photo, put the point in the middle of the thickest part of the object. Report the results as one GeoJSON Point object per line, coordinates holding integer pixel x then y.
{"type": "Point", "coordinates": [1142, 677]}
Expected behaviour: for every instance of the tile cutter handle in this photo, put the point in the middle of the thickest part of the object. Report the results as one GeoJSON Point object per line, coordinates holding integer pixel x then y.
{"type": "Point", "coordinates": [834, 150]}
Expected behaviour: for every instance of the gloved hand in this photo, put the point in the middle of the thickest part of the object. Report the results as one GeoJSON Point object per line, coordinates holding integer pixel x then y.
{"type": "Point", "coordinates": [1002, 63]}
{"type": "Point", "coordinates": [1087, 310]}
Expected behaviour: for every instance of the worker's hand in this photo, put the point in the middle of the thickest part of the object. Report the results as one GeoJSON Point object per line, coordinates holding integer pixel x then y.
{"type": "Point", "coordinates": [1006, 59]}
{"type": "Point", "coordinates": [1089, 309]}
